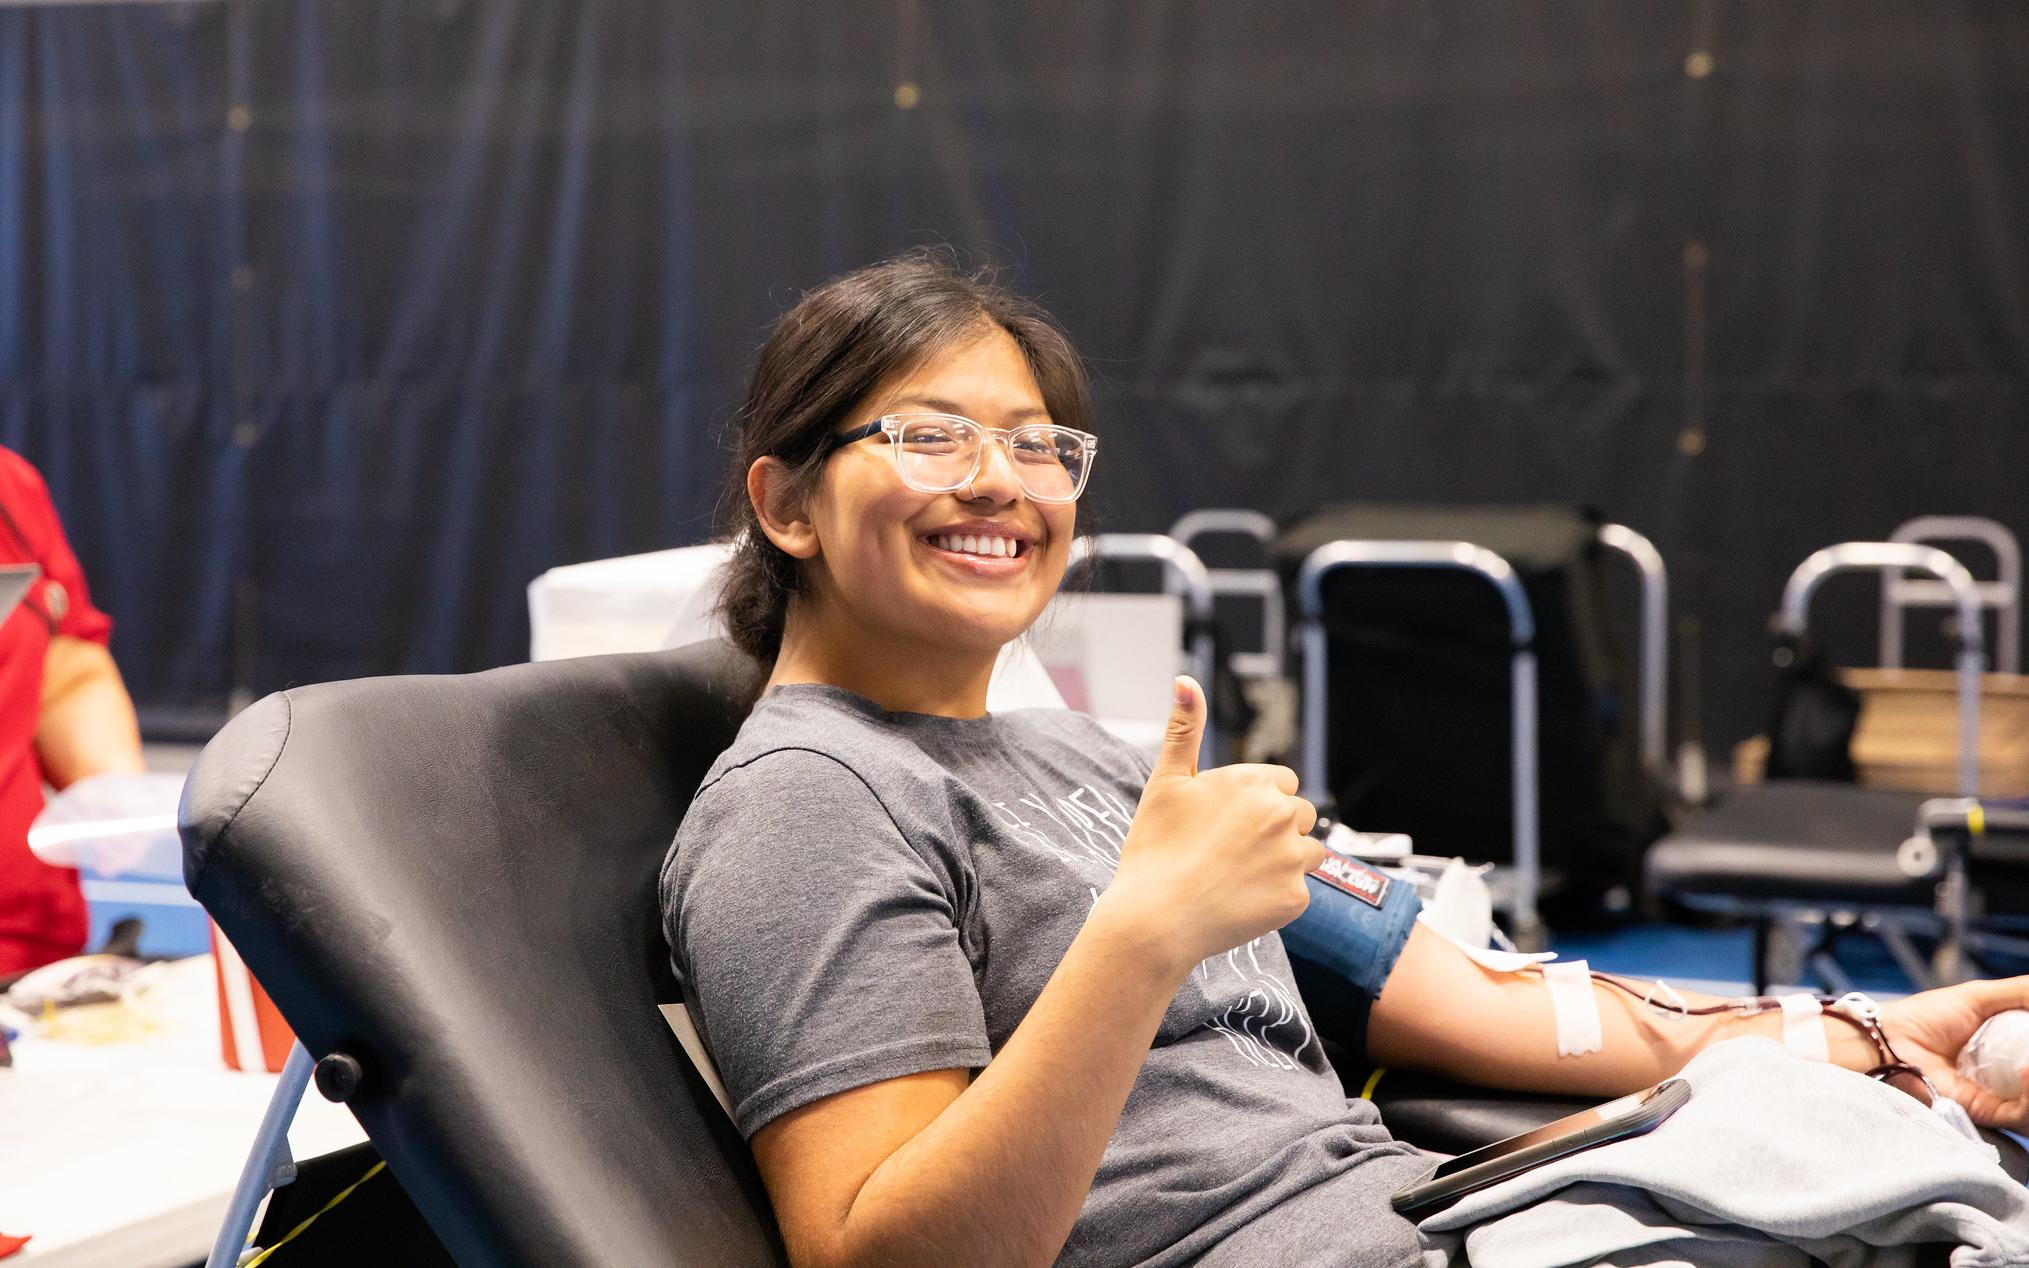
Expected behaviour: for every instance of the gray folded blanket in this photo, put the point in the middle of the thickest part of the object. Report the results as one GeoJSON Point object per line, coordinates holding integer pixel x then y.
{"type": "Point", "coordinates": [1774, 1161]}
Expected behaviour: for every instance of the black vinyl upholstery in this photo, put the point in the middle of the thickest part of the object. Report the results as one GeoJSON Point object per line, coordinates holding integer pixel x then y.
{"type": "Point", "coordinates": [1795, 840]}
{"type": "Point", "coordinates": [452, 880]}
{"type": "Point", "coordinates": [1449, 1118]}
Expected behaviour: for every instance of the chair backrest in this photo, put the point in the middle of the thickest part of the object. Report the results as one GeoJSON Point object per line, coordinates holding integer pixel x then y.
{"type": "Point", "coordinates": [1419, 697]}
{"type": "Point", "coordinates": [453, 880]}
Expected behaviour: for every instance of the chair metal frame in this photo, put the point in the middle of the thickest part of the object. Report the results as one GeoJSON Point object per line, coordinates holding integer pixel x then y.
{"type": "Point", "coordinates": [2003, 594]}
{"type": "Point", "coordinates": [1263, 585]}
{"type": "Point", "coordinates": [1893, 558]}
{"type": "Point", "coordinates": [269, 1163]}
{"type": "Point", "coordinates": [1654, 626]}
{"type": "Point", "coordinates": [1184, 574]}
{"type": "Point", "coordinates": [1465, 557]}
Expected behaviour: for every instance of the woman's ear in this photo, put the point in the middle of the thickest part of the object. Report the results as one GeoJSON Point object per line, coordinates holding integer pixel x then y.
{"type": "Point", "coordinates": [783, 516]}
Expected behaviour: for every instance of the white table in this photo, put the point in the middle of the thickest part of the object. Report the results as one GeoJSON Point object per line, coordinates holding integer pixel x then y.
{"type": "Point", "coordinates": [124, 1155]}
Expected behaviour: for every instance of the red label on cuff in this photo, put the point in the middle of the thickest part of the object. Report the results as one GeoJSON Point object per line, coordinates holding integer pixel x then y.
{"type": "Point", "coordinates": [1357, 879]}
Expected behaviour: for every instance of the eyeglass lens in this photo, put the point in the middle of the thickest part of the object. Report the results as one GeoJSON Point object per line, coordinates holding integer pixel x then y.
{"type": "Point", "coordinates": [939, 454]}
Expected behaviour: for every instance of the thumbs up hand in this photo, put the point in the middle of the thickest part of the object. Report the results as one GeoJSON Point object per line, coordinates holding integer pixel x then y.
{"type": "Point", "coordinates": [1214, 858]}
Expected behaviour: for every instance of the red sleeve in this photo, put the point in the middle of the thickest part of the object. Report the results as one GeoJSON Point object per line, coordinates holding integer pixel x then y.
{"type": "Point", "coordinates": [62, 590]}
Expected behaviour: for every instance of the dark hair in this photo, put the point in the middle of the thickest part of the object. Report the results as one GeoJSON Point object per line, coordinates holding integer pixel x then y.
{"type": "Point", "coordinates": [825, 355]}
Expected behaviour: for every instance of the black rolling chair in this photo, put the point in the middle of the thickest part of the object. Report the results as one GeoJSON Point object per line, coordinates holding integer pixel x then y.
{"type": "Point", "coordinates": [447, 885]}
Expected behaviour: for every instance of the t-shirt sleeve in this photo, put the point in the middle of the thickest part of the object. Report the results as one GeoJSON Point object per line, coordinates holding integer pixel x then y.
{"type": "Point", "coordinates": [818, 949]}
{"type": "Point", "coordinates": [61, 592]}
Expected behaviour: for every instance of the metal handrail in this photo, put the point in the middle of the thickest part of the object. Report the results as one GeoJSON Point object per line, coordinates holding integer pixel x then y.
{"type": "Point", "coordinates": [1224, 519]}
{"type": "Point", "coordinates": [1262, 584]}
{"type": "Point", "coordinates": [1882, 556]}
{"type": "Point", "coordinates": [1184, 574]}
{"type": "Point", "coordinates": [1654, 634]}
{"type": "Point", "coordinates": [1522, 684]}
{"type": "Point", "coordinates": [2003, 594]}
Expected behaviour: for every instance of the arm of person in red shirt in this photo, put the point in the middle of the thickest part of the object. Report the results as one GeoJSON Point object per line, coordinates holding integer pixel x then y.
{"type": "Point", "coordinates": [87, 724]}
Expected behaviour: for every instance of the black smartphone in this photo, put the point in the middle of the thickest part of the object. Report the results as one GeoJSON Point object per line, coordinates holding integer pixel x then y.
{"type": "Point", "coordinates": [1616, 1120]}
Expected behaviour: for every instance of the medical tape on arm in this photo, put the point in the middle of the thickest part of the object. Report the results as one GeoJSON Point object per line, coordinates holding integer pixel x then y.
{"type": "Point", "coordinates": [1575, 1006]}
{"type": "Point", "coordinates": [1803, 1027]}
{"type": "Point", "coordinates": [1572, 1002]}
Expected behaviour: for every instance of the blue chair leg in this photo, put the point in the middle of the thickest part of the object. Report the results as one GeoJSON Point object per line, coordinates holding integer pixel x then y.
{"type": "Point", "coordinates": [269, 1163]}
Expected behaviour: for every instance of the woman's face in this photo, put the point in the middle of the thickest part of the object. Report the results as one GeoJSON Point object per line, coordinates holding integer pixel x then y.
{"type": "Point", "coordinates": [891, 558]}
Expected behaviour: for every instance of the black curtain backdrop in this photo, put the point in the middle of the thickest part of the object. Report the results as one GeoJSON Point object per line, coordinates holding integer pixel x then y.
{"type": "Point", "coordinates": [333, 324]}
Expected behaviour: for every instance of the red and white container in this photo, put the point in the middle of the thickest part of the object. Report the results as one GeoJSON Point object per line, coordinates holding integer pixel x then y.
{"type": "Point", "coordinates": [251, 1028]}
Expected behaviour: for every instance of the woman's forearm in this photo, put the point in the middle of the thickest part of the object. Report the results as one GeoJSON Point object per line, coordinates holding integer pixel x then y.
{"type": "Point", "coordinates": [1000, 1175]}
{"type": "Point", "coordinates": [1441, 1012]}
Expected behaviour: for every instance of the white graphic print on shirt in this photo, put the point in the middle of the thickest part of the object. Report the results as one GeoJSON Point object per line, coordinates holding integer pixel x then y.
{"type": "Point", "coordinates": [1096, 823]}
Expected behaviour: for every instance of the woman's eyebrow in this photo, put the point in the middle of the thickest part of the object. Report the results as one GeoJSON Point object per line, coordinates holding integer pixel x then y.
{"type": "Point", "coordinates": [939, 405]}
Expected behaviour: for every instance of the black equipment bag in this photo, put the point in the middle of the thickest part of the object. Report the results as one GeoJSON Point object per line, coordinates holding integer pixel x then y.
{"type": "Point", "coordinates": [1811, 723]}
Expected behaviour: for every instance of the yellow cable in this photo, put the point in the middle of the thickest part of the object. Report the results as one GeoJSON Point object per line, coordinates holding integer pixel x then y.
{"type": "Point", "coordinates": [342, 1194]}
{"type": "Point", "coordinates": [1367, 1092]}
{"type": "Point", "coordinates": [1976, 820]}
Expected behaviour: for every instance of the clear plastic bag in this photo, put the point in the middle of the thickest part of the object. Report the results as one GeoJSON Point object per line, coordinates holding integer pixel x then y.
{"type": "Point", "coordinates": [114, 824]}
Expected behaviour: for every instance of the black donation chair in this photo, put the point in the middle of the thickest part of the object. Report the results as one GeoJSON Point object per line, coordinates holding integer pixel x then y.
{"type": "Point", "coordinates": [447, 884]}
{"type": "Point", "coordinates": [451, 881]}
{"type": "Point", "coordinates": [1809, 846]}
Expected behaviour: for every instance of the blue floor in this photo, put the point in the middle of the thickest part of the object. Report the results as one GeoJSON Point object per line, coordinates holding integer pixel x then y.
{"type": "Point", "coordinates": [1680, 953]}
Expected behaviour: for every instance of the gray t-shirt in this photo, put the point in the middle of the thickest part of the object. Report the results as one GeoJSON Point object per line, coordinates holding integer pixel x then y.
{"type": "Point", "coordinates": [858, 895]}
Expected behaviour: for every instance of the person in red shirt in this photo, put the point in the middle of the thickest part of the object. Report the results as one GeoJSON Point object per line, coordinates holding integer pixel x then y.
{"type": "Point", "coordinates": [64, 714]}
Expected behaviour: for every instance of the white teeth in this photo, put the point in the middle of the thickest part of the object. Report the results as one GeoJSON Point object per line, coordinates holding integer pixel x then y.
{"type": "Point", "coordinates": [968, 544]}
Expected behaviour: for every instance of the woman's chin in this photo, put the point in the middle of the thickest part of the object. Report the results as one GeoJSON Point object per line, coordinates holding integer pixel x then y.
{"type": "Point", "coordinates": [984, 633]}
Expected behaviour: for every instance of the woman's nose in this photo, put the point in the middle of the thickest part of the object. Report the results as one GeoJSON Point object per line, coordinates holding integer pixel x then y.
{"type": "Point", "coordinates": [995, 480]}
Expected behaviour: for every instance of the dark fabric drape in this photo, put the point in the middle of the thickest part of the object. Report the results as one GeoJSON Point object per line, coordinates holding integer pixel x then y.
{"type": "Point", "coordinates": [332, 324]}
{"type": "Point", "coordinates": [115, 359]}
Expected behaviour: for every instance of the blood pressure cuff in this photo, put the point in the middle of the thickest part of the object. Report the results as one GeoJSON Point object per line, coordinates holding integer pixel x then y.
{"type": "Point", "coordinates": [1342, 948]}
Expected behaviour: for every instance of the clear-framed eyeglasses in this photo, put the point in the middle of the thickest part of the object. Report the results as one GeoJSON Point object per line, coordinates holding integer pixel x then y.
{"type": "Point", "coordinates": [942, 453]}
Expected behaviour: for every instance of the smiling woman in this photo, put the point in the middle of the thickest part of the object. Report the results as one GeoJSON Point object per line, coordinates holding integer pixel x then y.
{"type": "Point", "coordinates": [932, 949]}
{"type": "Point", "coordinates": [990, 988]}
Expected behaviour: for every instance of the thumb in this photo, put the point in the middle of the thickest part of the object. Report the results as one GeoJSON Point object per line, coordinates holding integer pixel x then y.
{"type": "Point", "coordinates": [1186, 728]}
